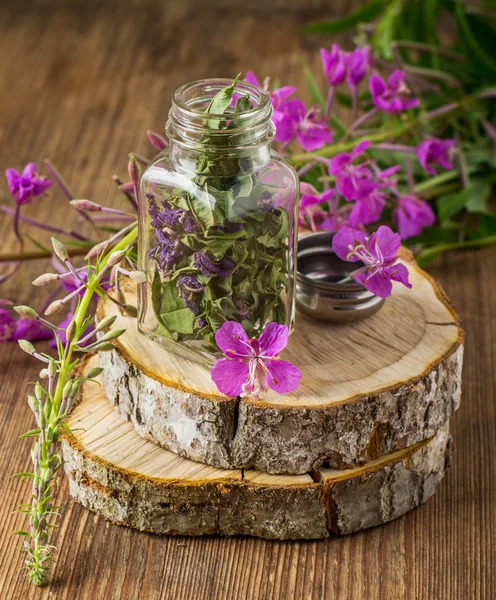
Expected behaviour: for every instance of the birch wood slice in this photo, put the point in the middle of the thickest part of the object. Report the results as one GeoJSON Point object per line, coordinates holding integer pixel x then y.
{"type": "Point", "coordinates": [369, 388]}
{"type": "Point", "coordinates": [129, 480]}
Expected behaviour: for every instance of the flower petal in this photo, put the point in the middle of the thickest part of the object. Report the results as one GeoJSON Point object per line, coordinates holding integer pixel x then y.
{"type": "Point", "coordinates": [399, 272]}
{"type": "Point", "coordinates": [379, 283]}
{"type": "Point", "coordinates": [232, 339]}
{"type": "Point", "coordinates": [229, 375]}
{"type": "Point", "coordinates": [387, 242]}
{"type": "Point", "coordinates": [345, 238]}
{"type": "Point", "coordinates": [283, 376]}
{"type": "Point", "coordinates": [273, 339]}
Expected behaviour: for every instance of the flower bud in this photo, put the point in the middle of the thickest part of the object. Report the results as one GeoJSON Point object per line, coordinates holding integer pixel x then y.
{"type": "Point", "coordinates": [54, 307]}
{"type": "Point", "coordinates": [45, 279]}
{"type": "Point", "coordinates": [26, 312]}
{"type": "Point", "coordinates": [133, 170]}
{"type": "Point", "coordinates": [92, 373]}
{"type": "Point", "coordinates": [157, 140]}
{"type": "Point", "coordinates": [70, 331]}
{"type": "Point", "coordinates": [60, 250]}
{"type": "Point", "coordinates": [33, 403]}
{"type": "Point", "coordinates": [97, 249]}
{"type": "Point", "coordinates": [112, 335]}
{"type": "Point", "coordinates": [127, 187]}
{"type": "Point", "coordinates": [67, 389]}
{"type": "Point", "coordinates": [137, 276]}
{"type": "Point", "coordinates": [106, 323]}
{"type": "Point", "coordinates": [131, 310]}
{"type": "Point", "coordinates": [43, 373]}
{"type": "Point", "coordinates": [105, 347]}
{"type": "Point", "coordinates": [116, 257]}
{"type": "Point", "coordinates": [86, 205]}
{"type": "Point", "coordinates": [27, 346]}
{"type": "Point", "coordinates": [52, 368]}
{"type": "Point", "coordinates": [39, 392]}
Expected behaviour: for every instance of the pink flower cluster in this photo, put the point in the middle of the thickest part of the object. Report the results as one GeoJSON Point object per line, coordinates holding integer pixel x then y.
{"type": "Point", "coordinates": [293, 120]}
{"type": "Point", "coordinates": [362, 191]}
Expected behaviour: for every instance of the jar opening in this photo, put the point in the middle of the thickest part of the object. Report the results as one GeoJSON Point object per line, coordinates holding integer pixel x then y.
{"type": "Point", "coordinates": [191, 126]}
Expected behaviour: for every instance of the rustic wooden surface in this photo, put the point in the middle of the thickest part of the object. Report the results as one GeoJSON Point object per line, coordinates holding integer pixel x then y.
{"type": "Point", "coordinates": [81, 86]}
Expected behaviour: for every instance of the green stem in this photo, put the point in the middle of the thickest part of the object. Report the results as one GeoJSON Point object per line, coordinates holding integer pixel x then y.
{"type": "Point", "coordinates": [81, 310]}
{"type": "Point", "coordinates": [381, 136]}
{"type": "Point", "coordinates": [427, 255]}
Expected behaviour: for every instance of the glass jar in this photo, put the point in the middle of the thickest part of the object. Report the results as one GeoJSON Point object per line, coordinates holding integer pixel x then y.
{"type": "Point", "coordinates": [218, 223]}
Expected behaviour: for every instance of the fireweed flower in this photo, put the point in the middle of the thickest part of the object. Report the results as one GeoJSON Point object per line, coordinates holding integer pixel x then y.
{"type": "Point", "coordinates": [189, 287]}
{"type": "Point", "coordinates": [434, 151]}
{"type": "Point", "coordinates": [253, 364]}
{"type": "Point", "coordinates": [352, 181]}
{"type": "Point", "coordinates": [357, 64]}
{"type": "Point", "coordinates": [7, 322]}
{"type": "Point", "coordinates": [309, 128]}
{"type": "Point", "coordinates": [393, 95]}
{"type": "Point", "coordinates": [26, 185]}
{"type": "Point", "coordinates": [378, 253]}
{"type": "Point", "coordinates": [412, 215]}
{"type": "Point", "coordinates": [312, 210]}
{"type": "Point", "coordinates": [334, 65]}
{"type": "Point", "coordinates": [208, 266]}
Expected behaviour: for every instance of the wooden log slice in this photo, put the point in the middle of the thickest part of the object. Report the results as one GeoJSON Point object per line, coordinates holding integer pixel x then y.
{"type": "Point", "coordinates": [115, 472]}
{"type": "Point", "coordinates": [369, 388]}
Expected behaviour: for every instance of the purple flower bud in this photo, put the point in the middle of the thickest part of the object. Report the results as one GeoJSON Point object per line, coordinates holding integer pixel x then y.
{"type": "Point", "coordinates": [157, 140]}
{"type": "Point", "coordinates": [134, 171]}
{"type": "Point", "coordinates": [334, 65]}
{"type": "Point", "coordinates": [86, 205]}
{"type": "Point", "coordinates": [208, 266]}
{"type": "Point", "coordinates": [412, 215]}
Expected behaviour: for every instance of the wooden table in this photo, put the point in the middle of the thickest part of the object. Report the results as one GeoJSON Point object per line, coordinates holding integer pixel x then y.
{"type": "Point", "coordinates": [81, 86]}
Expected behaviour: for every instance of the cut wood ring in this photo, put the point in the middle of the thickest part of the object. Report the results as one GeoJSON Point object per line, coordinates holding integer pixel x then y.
{"type": "Point", "coordinates": [369, 388]}
{"type": "Point", "coordinates": [131, 481]}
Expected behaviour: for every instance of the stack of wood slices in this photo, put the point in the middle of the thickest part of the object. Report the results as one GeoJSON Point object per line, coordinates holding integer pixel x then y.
{"type": "Point", "coordinates": [363, 440]}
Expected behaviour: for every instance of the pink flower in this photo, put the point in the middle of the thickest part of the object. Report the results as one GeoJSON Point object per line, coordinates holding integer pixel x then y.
{"type": "Point", "coordinates": [334, 65]}
{"type": "Point", "coordinates": [16, 329]}
{"type": "Point", "coordinates": [393, 95]}
{"type": "Point", "coordinates": [7, 322]}
{"type": "Point", "coordinates": [252, 365]}
{"type": "Point", "coordinates": [368, 209]}
{"type": "Point", "coordinates": [31, 330]}
{"type": "Point", "coordinates": [357, 63]}
{"type": "Point", "coordinates": [378, 253]}
{"type": "Point", "coordinates": [435, 151]}
{"type": "Point", "coordinates": [293, 119]}
{"type": "Point", "coordinates": [312, 211]}
{"type": "Point", "coordinates": [412, 215]}
{"type": "Point", "coordinates": [352, 181]}
{"type": "Point", "coordinates": [26, 186]}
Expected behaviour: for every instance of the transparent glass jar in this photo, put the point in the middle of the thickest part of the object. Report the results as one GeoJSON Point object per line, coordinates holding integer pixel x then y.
{"type": "Point", "coordinates": [218, 223]}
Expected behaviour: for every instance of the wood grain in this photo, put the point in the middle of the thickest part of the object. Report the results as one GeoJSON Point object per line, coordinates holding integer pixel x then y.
{"type": "Point", "coordinates": [368, 388]}
{"type": "Point", "coordinates": [81, 87]}
{"type": "Point", "coordinates": [116, 473]}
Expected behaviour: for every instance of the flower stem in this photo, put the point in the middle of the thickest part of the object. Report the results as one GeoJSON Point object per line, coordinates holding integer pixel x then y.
{"type": "Point", "coordinates": [49, 416]}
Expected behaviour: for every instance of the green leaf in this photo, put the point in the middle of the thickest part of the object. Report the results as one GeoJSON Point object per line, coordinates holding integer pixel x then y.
{"type": "Point", "coordinates": [470, 39]}
{"type": "Point", "coordinates": [449, 205]}
{"type": "Point", "coordinates": [385, 31]}
{"type": "Point", "coordinates": [31, 433]}
{"type": "Point", "coordinates": [480, 193]}
{"type": "Point", "coordinates": [314, 88]}
{"type": "Point", "coordinates": [220, 102]}
{"type": "Point", "coordinates": [243, 104]}
{"type": "Point", "coordinates": [363, 14]}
